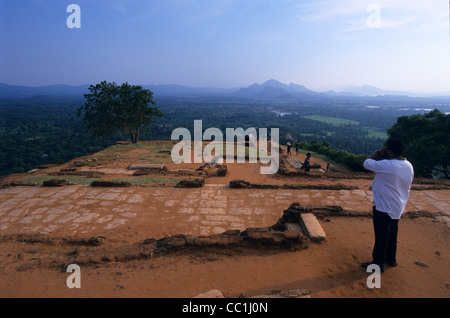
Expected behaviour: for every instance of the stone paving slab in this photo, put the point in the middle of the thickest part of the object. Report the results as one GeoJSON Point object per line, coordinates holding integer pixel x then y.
{"type": "Point", "coordinates": [157, 212]}
{"type": "Point", "coordinates": [312, 227]}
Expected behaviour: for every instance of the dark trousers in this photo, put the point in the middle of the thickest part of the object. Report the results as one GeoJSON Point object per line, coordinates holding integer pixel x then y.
{"type": "Point", "coordinates": [386, 230]}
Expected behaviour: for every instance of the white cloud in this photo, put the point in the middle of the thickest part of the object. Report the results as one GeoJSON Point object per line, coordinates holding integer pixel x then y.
{"type": "Point", "coordinates": [352, 14]}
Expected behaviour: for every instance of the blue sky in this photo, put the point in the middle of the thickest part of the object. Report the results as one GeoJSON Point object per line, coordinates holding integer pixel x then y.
{"type": "Point", "coordinates": [322, 44]}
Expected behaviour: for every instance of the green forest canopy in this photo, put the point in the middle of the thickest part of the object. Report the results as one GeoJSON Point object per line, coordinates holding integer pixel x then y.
{"type": "Point", "coordinates": [427, 141]}
{"type": "Point", "coordinates": [42, 129]}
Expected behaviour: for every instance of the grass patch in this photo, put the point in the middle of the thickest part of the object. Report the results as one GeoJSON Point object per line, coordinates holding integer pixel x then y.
{"type": "Point", "coordinates": [77, 180]}
{"type": "Point", "coordinates": [334, 166]}
{"type": "Point", "coordinates": [149, 180]}
{"type": "Point", "coordinates": [376, 134]}
{"type": "Point", "coordinates": [335, 121]}
{"type": "Point", "coordinates": [87, 181]}
{"type": "Point", "coordinates": [150, 152]}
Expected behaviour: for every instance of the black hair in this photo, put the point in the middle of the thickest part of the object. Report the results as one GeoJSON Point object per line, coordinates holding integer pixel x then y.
{"type": "Point", "coordinates": [395, 145]}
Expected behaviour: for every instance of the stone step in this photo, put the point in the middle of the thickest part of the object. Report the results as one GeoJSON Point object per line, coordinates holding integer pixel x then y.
{"type": "Point", "coordinates": [295, 163]}
{"type": "Point", "coordinates": [146, 166]}
{"type": "Point", "coordinates": [311, 227]}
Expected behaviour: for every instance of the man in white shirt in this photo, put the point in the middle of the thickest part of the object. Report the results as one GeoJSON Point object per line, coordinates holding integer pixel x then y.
{"type": "Point", "coordinates": [391, 187]}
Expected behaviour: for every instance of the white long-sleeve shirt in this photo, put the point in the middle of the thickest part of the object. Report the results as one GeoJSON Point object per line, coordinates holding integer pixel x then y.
{"type": "Point", "coordinates": [391, 185]}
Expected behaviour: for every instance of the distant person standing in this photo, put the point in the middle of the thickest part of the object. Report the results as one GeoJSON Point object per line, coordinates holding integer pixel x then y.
{"type": "Point", "coordinates": [307, 163]}
{"type": "Point", "coordinates": [391, 188]}
{"type": "Point", "coordinates": [296, 147]}
{"type": "Point", "coordinates": [289, 149]}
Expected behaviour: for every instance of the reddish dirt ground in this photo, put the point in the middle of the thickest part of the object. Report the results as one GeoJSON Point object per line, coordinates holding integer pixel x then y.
{"type": "Point", "coordinates": [329, 269]}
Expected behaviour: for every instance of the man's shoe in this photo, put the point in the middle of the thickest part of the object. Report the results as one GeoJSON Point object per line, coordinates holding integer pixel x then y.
{"type": "Point", "coordinates": [392, 264]}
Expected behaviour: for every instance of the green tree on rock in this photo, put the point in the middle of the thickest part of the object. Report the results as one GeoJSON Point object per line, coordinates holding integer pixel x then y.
{"type": "Point", "coordinates": [427, 141]}
{"type": "Point", "coordinates": [109, 108]}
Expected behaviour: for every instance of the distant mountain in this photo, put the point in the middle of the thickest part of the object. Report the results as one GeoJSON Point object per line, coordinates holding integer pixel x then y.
{"type": "Point", "coordinates": [367, 90]}
{"type": "Point", "coordinates": [269, 90]}
{"type": "Point", "coordinates": [273, 89]}
{"type": "Point", "coordinates": [186, 91]}
{"type": "Point", "coordinates": [14, 91]}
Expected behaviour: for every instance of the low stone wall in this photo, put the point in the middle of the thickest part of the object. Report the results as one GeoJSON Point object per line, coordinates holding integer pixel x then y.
{"type": "Point", "coordinates": [91, 251]}
{"type": "Point", "coordinates": [191, 183]}
{"type": "Point", "coordinates": [110, 184]}
{"type": "Point", "coordinates": [55, 183]}
{"type": "Point", "coordinates": [242, 184]}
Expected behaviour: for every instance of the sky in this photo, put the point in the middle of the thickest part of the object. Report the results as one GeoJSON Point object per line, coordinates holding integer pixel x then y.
{"type": "Point", "coordinates": [321, 44]}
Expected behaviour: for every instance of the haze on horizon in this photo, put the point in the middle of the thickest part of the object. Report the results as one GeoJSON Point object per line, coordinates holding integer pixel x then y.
{"type": "Point", "coordinates": [321, 44]}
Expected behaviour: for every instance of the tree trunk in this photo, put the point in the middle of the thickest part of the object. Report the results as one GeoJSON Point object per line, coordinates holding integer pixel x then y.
{"type": "Point", "coordinates": [134, 136]}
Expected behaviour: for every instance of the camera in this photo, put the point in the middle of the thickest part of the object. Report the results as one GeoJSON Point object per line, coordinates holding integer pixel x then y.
{"type": "Point", "coordinates": [382, 153]}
